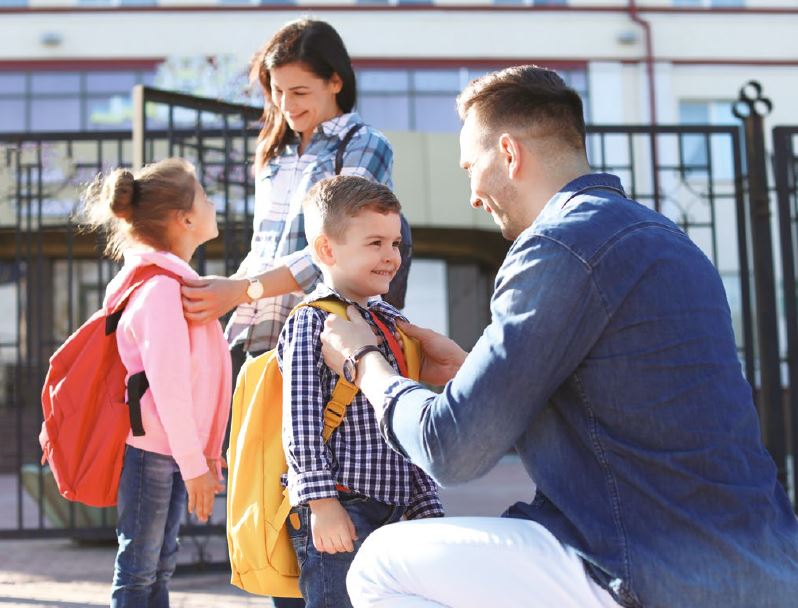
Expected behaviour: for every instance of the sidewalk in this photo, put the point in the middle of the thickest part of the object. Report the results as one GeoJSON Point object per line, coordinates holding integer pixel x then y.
{"type": "Point", "coordinates": [58, 573]}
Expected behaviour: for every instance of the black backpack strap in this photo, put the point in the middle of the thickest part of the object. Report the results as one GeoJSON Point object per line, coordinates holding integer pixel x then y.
{"type": "Point", "coordinates": [137, 385]}
{"type": "Point", "coordinates": [339, 155]}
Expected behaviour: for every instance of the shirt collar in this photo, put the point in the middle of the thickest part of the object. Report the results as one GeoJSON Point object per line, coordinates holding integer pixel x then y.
{"type": "Point", "coordinates": [375, 303]}
{"type": "Point", "coordinates": [576, 187]}
{"type": "Point", "coordinates": [336, 127]}
{"type": "Point", "coordinates": [339, 126]}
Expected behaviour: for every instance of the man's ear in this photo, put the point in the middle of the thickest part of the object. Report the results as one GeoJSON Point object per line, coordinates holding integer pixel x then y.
{"type": "Point", "coordinates": [511, 152]}
{"type": "Point", "coordinates": [323, 250]}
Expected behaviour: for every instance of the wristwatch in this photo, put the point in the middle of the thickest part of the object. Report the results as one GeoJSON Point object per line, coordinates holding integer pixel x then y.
{"type": "Point", "coordinates": [254, 289]}
{"type": "Point", "coordinates": [350, 363]}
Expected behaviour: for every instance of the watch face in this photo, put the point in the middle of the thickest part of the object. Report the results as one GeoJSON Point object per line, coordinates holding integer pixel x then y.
{"type": "Point", "coordinates": [255, 290]}
{"type": "Point", "coordinates": [350, 370]}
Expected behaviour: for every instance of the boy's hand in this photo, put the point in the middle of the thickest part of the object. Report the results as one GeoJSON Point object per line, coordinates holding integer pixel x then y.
{"type": "Point", "coordinates": [201, 492]}
{"type": "Point", "coordinates": [331, 526]}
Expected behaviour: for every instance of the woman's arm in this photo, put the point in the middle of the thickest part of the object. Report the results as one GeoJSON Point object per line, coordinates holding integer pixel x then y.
{"type": "Point", "coordinates": [208, 298]}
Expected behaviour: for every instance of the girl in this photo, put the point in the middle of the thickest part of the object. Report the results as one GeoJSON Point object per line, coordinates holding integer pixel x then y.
{"type": "Point", "coordinates": [159, 216]}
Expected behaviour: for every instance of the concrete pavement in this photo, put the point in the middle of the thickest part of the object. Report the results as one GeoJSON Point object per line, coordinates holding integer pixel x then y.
{"type": "Point", "coordinates": [59, 573]}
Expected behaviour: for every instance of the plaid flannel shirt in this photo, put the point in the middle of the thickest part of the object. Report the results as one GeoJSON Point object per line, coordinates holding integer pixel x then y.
{"type": "Point", "coordinates": [356, 456]}
{"type": "Point", "coordinates": [278, 238]}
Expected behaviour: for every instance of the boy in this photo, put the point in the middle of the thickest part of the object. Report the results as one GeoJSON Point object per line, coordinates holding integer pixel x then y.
{"type": "Point", "coordinates": [343, 490]}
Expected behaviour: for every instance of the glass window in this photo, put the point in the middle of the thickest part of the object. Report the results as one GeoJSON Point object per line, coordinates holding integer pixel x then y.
{"type": "Point", "coordinates": [12, 82]}
{"type": "Point", "coordinates": [437, 80]}
{"type": "Point", "coordinates": [60, 114]}
{"type": "Point", "coordinates": [381, 81]}
{"type": "Point", "coordinates": [12, 115]}
{"type": "Point", "coordinates": [113, 112]}
{"type": "Point", "coordinates": [110, 82]}
{"type": "Point", "coordinates": [388, 112]}
{"type": "Point", "coordinates": [435, 113]}
{"type": "Point", "coordinates": [55, 82]}
{"type": "Point", "coordinates": [11, 3]}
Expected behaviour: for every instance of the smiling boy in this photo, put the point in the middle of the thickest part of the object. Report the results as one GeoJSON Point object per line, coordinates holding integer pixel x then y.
{"type": "Point", "coordinates": [343, 490]}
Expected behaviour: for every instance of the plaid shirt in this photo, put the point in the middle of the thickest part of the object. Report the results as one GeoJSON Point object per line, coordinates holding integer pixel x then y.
{"type": "Point", "coordinates": [356, 455]}
{"type": "Point", "coordinates": [279, 239]}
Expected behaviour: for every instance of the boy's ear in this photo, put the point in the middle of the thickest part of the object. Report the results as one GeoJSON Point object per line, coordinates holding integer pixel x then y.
{"type": "Point", "coordinates": [323, 250]}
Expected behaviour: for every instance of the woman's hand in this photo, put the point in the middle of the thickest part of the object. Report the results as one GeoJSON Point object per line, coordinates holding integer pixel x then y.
{"type": "Point", "coordinates": [331, 526]}
{"type": "Point", "coordinates": [441, 357]}
{"type": "Point", "coordinates": [208, 298]}
{"type": "Point", "coordinates": [342, 337]}
{"type": "Point", "coordinates": [201, 492]}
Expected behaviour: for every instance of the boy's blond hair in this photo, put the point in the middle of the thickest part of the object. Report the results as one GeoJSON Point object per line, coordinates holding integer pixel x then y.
{"type": "Point", "coordinates": [332, 202]}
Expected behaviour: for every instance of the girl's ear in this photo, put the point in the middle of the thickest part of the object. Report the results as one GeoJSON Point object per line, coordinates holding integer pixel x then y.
{"type": "Point", "coordinates": [323, 250]}
{"type": "Point", "coordinates": [184, 219]}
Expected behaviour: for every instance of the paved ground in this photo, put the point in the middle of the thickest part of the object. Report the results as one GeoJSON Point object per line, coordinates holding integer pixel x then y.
{"type": "Point", "coordinates": [59, 573]}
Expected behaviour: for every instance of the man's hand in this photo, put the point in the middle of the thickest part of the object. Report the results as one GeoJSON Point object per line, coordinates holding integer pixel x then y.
{"type": "Point", "coordinates": [331, 526]}
{"type": "Point", "coordinates": [441, 357]}
{"type": "Point", "coordinates": [208, 298]}
{"type": "Point", "coordinates": [342, 337]}
{"type": "Point", "coordinates": [201, 492]}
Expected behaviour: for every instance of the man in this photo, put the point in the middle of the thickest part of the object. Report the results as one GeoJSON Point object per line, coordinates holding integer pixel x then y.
{"type": "Point", "coordinates": [610, 365]}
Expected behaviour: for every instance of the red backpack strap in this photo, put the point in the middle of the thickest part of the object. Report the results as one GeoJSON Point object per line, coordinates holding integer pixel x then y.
{"type": "Point", "coordinates": [392, 343]}
{"type": "Point", "coordinates": [137, 384]}
{"type": "Point", "coordinates": [140, 276]}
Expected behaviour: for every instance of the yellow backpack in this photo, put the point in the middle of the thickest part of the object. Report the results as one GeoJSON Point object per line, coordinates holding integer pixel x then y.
{"type": "Point", "coordinates": [262, 558]}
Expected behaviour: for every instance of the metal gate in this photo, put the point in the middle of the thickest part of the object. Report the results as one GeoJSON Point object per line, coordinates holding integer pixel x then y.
{"type": "Point", "coordinates": [52, 278]}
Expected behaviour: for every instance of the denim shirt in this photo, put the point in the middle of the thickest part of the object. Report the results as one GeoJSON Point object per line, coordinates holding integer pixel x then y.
{"type": "Point", "coordinates": [610, 365]}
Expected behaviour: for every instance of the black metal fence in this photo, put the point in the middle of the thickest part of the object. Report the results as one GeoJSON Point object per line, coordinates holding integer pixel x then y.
{"type": "Point", "coordinates": [709, 179]}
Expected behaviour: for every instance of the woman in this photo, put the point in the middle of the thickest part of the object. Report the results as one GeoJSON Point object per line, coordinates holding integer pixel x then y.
{"type": "Point", "coordinates": [309, 91]}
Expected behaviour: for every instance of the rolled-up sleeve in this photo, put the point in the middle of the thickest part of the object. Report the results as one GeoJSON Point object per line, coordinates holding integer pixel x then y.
{"type": "Point", "coordinates": [300, 264]}
{"type": "Point", "coordinates": [546, 315]}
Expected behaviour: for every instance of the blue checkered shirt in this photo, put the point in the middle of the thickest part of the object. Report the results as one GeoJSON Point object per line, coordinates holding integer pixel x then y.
{"type": "Point", "coordinates": [356, 456]}
{"type": "Point", "coordinates": [278, 238]}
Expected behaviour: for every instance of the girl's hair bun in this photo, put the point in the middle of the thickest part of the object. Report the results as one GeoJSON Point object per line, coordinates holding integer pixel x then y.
{"type": "Point", "coordinates": [119, 191]}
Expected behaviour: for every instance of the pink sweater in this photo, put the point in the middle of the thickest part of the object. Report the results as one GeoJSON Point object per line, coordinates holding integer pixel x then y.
{"type": "Point", "coordinates": [185, 410]}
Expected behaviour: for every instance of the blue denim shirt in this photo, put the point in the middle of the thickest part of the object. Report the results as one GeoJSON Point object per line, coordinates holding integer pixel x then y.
{"type": "Point", "coordinates": [610, 365]}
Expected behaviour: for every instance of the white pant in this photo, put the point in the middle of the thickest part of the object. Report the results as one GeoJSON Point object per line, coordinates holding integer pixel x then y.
{"type": "Point", "coordinates": [465, 562]}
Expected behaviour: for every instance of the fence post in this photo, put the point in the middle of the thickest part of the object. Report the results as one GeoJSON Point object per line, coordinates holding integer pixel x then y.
{"type": "Point", "coordinates": [751, 108]}
{"type": "Point", "coordinates": [783, 154]}
{"type": "Point", "coordinates": [139, 124]}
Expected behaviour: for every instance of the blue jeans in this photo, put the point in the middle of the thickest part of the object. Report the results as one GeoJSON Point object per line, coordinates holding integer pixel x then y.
{"type": "Point", "coordinates": [322, 577]}
{"type": "Point", "coordinates": [151, 501]}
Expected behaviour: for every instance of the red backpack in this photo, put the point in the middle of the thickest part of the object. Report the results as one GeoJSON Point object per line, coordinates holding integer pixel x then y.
{"type": "Point", "coordinates": [86, 419]}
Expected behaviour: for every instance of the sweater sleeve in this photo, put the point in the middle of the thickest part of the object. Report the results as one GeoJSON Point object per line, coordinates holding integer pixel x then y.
{"type": "Point", "coordinates": [160, 331]}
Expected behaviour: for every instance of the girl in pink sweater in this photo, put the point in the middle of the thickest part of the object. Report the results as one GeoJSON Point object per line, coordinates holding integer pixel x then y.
{"type": "Point", "coordinates": [159, 216]}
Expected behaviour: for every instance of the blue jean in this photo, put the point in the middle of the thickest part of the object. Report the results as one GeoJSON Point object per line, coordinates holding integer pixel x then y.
{"type": "Point", "coordinates": [322, 578]}
{"type": "Point", "coordinates": [151, 501]}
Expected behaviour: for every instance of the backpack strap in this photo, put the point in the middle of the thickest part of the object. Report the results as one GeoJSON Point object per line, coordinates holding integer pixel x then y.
{"type": "Point", "coordinates": [392, 343]}
{"type": "Point", "coordinates": [339, 155]}
{"type": "Point", "coordinates": [344, 392]}
{"type": "Point", "coordinates": [137, 384]}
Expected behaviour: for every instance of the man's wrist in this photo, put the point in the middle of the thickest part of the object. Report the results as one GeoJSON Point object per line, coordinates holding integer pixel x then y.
{"type": "Point", "coordinates": [366, 361]}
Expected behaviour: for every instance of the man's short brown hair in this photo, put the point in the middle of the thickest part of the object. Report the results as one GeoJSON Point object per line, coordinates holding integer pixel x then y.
{"type": "Point", "coordinates": [332, 202]}
{"type": "Point", "coordinates": [527, 96]}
